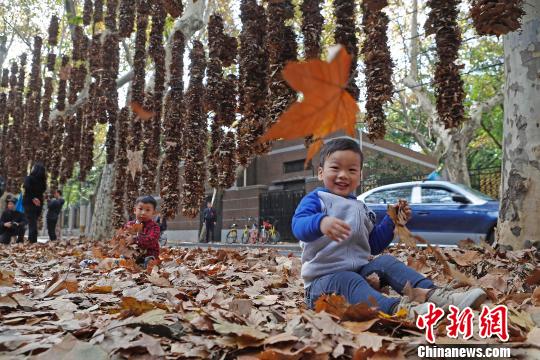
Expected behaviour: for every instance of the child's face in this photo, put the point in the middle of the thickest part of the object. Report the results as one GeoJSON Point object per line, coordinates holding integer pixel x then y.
{"type": "Point", "coordinates": [10, 206]}
{"type": "Point", "coordinates": [144, 212]}
{"type": "Point", "coordinates": [342, 172]}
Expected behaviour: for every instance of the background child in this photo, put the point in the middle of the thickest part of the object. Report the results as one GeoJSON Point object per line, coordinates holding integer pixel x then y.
{"type": "Point", "coordinates": [12, 222]}
{"type": "Point", "coordinates": [54, 208]}
{"type": "Point", "coordinates": [338, 236]}
{"type": "Point", "coordinates": [147, 238]}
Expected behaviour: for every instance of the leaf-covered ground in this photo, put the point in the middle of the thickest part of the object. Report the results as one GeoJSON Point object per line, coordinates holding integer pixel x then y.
{"type": "Point", "coordinates": [224, 304]}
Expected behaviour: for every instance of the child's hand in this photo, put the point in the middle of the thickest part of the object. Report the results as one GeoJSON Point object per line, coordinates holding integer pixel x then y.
{"type": "Point", "coordinates": [404, 211]}
{"type": "Point", "coordinates": [336, 229]}
{"type": "Point", "coordinates": [131, 240]}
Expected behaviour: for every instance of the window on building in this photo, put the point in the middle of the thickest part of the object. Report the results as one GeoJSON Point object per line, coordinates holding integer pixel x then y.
{"type": "Point", "coordinates": [295, 166]}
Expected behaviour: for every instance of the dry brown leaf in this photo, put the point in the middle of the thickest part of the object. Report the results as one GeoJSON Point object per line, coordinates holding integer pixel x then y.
{"type": "Point", "coordinates": [6, 278]}
{"type": "Point", "coordinates": [397, 214]}
{"type": "Point", "coordinates": [228, 328]}
{"type": "Point", "coordinates": [70, 285]}
{"type": "Point", "coordinates": [133, 307]}
{"type": "Point", "coordinates": [332, 304]}
{"type": "Point", "coordinates": [536, 296]}
{"type": "Point", "coordinates": [71, 348]}
{"type": "Point", "coordinates": [357, 327]}
{"type": "Point", "coordinates": [158, 280]}
{"type": "Point", "coordinates": [8, 302]}
{"type": "Point", "coordinates": [533, 278]}
{"type": "Point", "coordinates": [326, 107]}
{"type": "Point", "coordinates": [415, 294]}
{"type": "Point", "coordinates": [468, 258]}
{"type": "Point", "coordinates": [533, 337]}
{"type": "Point", "coordinates": [97, 289]}
{"type": "Point", "coordinates": [494, 282]}
{"type": "Point", "coordinates": [202, 323]}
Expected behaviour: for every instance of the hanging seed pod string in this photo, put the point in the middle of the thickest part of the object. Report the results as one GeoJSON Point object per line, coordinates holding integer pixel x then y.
{"type": "Point", "coordinates": [253, 85]}
{"type": "Point", "coordinates": [137, 97]}
{"type": "Point", "coordinates": [44, 125]}
{"type": "Point", "coordinates": [312, 25]}
{"type": "Point", "coordinates": [98, 12]}
{"type": "Point", "coordinates": [195, 135]}
{"type": "Point", "coordinates": [33, 100]}
{"type": "Point", "coordinates": [120, 164]}
{"type": "Point", "coordinates": [67, 159]}
{"type": "Point", "coordinates": [379, 66]}
{"type": "Point", "coordinates": [442, 21]}
{"type": "Point", "coordinates": [153, 132]}
{"type": "Point", "coordinates": [173, 126]}
{"type": "Point", "coordinates": [21, 143]}
{"type": "Point", "coordinates": [126, 19]}
{"type": "Point", "coordinates": [345, 34]}
{"type": "Point", "coordinates": [87, 12]}
{"type": "Point", "coordinates": [221, 102]}
{"type": "Point", "coordinates": [281, 45]}
{"type": "Point", "coordinates": [57, 128]}
{"type": "Point", "coordinates": [53, 41]}
{"type": "Point", "coordinates": [4, 121]}
{"type": "Point", "coordinates": [110, 68]}
{"type": "Point", "coordinates": [497, 17]}
{"type": "Point", "coordinates": [78, 71]}
{"type": "Point", "coordinates": [214, 91]}
{"type": "Point", "coordinates": [173, 7]}
{"type": "Point", "coordinates": [87, 139]}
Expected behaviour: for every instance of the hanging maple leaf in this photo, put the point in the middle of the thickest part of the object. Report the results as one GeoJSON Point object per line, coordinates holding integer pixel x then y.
{"type": "Point", "coordinates": [135, 163]}
{"type": "Point", "coordinates": [141, 112]}
{"type": "Point", "coordinates": [326, 106]}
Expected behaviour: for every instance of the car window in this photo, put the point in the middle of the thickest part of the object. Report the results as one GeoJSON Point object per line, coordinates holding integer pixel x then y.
{"type": "Point", "coordinates": [436, 195]}
{"type": "Point", "coordinates": [390, 196]}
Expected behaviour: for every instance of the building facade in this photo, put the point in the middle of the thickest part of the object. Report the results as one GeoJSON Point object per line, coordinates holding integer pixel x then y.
{"type": "Point", "coordinates": [273, 184]}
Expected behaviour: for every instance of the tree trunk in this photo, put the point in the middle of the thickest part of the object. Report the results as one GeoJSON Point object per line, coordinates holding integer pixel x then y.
{"type": "Point", "coordinates": [518, 215]}
{"type": "Point", "coordinates": [101, 227]}
{"type": "Point", "coordinates": [455, 158]}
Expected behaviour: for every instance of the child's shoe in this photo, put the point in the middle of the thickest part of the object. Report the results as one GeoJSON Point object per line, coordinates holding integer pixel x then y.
{"type": "Point", "coordinates": [413, 309]}
{"type": "Point", "coordinates": [444, 297]}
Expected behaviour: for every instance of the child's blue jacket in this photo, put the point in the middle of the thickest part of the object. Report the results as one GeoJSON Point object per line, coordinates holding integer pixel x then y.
{"type": "Point", "coordinates": [320, 254]}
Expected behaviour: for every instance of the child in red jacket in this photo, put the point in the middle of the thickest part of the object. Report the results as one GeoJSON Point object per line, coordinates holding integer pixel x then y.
{"type": "Point", "coordinates": [144, 230]}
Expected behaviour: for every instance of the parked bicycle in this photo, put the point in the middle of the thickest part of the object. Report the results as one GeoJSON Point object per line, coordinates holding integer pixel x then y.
{"type": "Point", "coordinates": [269, 233]}
{"type": "Point", "coordinates": [233, 235]}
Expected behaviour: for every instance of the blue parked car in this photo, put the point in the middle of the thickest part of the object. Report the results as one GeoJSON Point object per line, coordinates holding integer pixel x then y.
{"type": "Point", "coordinates": [443, 212]}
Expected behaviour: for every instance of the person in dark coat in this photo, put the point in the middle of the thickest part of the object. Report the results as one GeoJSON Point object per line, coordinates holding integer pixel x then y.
{"type": "Point", "coordinates": [54, 207]}
{"type": "Point", "coordinates": [209, 215]}
{"type": "Point", "coordinates": [12, 222]}
{"type": "Point", "coordinates": [35, 185]}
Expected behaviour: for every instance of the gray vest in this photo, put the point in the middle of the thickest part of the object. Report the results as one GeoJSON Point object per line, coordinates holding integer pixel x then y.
{"type": "Point", "coordinates": [325, 256]}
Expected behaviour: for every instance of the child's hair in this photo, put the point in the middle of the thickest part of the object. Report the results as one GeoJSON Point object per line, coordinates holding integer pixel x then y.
{"type": "Point", "coordinates": [59, 191]}
{"type": "Point", "coordinates": [11, 199]}
{"type": "Point", "coordinates": [146, 199]}
{"type": "Point", "coordinates": [340, 144]}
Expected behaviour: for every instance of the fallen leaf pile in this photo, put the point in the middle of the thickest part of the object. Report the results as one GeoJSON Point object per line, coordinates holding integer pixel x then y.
{"type": "Point", "coordinates": [73, 300]}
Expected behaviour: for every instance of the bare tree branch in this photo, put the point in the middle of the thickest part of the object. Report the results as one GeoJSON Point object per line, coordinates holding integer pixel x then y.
{"type": "Point", "coordinates": [477, 112]}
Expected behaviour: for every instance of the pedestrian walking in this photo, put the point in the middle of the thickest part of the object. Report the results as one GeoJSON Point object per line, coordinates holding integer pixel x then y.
{"type": "Point", "coordinates": [210, 216]}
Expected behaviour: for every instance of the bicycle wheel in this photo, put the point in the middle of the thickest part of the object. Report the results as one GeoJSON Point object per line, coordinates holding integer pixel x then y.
{"type": "Point", "coordinates": [245, 237]}
{"type": "Point", "coordinates": [275, 238]}
{"type": "Point", "coordinates": [231, 236]}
